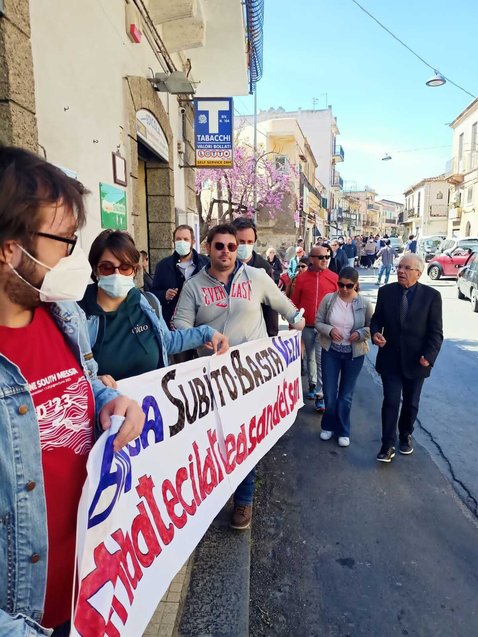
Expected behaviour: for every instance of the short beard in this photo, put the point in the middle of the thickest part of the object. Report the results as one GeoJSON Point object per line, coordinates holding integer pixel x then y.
{"type": "Point", "coordinates": [17, 290]}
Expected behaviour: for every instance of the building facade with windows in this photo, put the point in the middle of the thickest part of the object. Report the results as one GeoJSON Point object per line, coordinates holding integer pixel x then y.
{"type": "Point", "coordinates": [77, 89]}
{"type": "Point", "coordinates": [462, 174]}
{"type": "Point", "coordinates": [426, 207]}
{"type": "Point", "coordinates": [391, 211]}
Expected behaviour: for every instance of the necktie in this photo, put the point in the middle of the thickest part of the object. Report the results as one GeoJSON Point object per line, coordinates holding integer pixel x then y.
{"type": "Point", "coordinates": [403, 306]}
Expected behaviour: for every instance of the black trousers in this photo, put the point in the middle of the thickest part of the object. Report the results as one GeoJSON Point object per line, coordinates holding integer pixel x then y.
{"type": "Point", "coordinates": [396, 386]}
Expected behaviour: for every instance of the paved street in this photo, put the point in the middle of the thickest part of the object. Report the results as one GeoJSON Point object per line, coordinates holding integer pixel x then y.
{"type": "Point", "coordinates": [342, 545]}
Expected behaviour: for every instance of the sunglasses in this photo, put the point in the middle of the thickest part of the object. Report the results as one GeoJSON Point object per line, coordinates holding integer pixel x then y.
{"type": "Point", "coordinates": [219, 245]}
{"type": "Point", "coordinates": [348, 286]}
{"type": "Point", "coordinates": [302, 267]}
{"type": "Point", "coordinates": [320, 257]}
{"type": "Point", "coordinates": [106, 268]}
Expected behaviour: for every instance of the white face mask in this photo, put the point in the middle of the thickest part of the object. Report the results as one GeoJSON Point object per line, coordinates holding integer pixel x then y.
{"type": "Point", "coordinates": [182, 247]}
{"type": "Point", "coordinates": [116, 285]}
{"type": "Point", "coordinates": [244, 251]}
{"type": "Point", "coordinates": [65, 281]}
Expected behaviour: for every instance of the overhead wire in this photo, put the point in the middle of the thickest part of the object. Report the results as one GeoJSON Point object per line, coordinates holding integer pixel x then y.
{"type": "Point", "coordinates": [433, 68]}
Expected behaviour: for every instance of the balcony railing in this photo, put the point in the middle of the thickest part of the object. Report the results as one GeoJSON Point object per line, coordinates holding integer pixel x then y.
{"type": "Point", "coordinates": [338, 154]}
{"type": "Point", "coordinates": [337, 181]}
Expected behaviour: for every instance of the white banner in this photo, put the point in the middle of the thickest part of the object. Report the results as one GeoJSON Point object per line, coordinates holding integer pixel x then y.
{"type": "Point", "coordinates": [144, 509]}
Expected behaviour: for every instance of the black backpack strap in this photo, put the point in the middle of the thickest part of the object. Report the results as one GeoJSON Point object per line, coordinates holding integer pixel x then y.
{"type": "Point", "coordinates": [154, 302]}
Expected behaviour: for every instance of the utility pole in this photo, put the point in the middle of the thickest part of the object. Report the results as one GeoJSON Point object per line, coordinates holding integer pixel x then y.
{"type": "Point", "coordinates": [254, 183]}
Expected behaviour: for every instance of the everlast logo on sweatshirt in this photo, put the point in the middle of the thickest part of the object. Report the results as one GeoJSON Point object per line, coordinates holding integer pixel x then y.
{"type": "Point", "coordinates": [217, 295]}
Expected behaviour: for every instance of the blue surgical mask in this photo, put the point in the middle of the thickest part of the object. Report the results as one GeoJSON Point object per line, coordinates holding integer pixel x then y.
{"type": "Point", "coordinates": [244, 251]}
{"type": "Point", "coordinates": [116, 285]}
{"type": "Point", "coordinates": [182, 247]}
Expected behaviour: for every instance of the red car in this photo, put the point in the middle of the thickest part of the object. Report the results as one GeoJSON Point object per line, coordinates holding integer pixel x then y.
{"type": "Point", "coordinates": [449, 262]}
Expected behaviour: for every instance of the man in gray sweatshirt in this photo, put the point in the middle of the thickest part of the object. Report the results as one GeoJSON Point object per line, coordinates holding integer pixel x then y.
{"type": "Point", "coordinates": [387, 254]}
{"type": "Point", "coordinates": [229, 293]}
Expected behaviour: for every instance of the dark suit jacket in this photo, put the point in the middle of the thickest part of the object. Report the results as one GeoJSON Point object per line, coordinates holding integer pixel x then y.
{"type": "Point", "coordinates": [420, 335]}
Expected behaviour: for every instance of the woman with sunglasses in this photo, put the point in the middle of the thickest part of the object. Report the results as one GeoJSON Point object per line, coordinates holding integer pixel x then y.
{"type": "Point", "coordinates": [127, 331]}
{"type": "Point", "coordinates": [343, 324]}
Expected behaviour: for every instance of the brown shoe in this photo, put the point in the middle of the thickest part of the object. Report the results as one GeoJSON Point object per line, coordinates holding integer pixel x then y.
{"type": "Point", "coordinates": [241, 517]}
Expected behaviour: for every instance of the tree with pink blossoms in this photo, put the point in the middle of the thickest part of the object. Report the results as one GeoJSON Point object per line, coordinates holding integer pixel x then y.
{"type": "Point", "coordinates": [233, 190]}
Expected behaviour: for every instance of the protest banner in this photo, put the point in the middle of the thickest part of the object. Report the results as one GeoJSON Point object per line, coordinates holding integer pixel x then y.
{"type": "Point", "coordinates": [144, 509]}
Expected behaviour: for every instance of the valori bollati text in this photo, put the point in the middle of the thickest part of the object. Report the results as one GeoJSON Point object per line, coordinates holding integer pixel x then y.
{"type": "Point", "coordinates": [208, 423]}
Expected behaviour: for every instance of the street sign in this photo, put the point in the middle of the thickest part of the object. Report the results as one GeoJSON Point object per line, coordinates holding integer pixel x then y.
{"type": "Point", "coordinates": [213, 132]}
{"type": "Point", "coordinates": [113, 207]}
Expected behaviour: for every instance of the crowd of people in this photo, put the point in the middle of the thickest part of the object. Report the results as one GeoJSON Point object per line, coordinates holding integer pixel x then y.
{"type": "Point", "coordinates": [72, 325]}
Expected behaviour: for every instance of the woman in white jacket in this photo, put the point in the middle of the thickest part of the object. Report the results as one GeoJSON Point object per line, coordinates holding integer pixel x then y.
{"type": "Point", "coordinates": [343, 324]}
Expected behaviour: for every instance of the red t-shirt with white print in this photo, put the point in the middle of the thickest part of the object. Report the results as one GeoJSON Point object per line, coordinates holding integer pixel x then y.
{"type": "Point", "coordinates": [64, 407]}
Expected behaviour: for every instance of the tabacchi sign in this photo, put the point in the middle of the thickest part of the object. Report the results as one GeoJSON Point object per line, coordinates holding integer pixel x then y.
{"type": "Point", "coordinates": [213, 132]}
{"type": "Point", "coordinates": [144, 509]}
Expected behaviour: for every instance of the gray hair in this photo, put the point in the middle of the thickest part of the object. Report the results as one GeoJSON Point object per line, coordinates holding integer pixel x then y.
{"type": "Point", "coordinates": [419, 262]}
{"type": "Point", "coordinates": [269, 250]}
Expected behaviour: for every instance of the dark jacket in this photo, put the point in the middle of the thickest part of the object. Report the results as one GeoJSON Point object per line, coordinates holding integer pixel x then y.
{"type": "Point", "coordinates": [270, 316]}
{"type": "Point", "coordinates": [420, 335]}
{"type": "Point", "coordinates": [169, 275]}
{"type": "Point", "coordinates": [277, 268]}
{"type": "Point", "coordinates": [350, 250]}
{"type": "Point", "coordinates": [338, 261]}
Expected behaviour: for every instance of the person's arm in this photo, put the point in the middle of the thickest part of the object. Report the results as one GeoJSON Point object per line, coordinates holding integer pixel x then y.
{"type": "Point", "coordinates": [185, 313]}
{"type": "Point", "coordinates": [377, 320]}
{"type": "Point", "coordinates": [273, 297]}
{"type": "Point", "coordinates": [159, 286]}
{"type": "Point", "coordinates": [364, 332]}
{"type": "Point", "coordinates": [320, 325]}
{"type": "Point", "coordinates": [434, 338]}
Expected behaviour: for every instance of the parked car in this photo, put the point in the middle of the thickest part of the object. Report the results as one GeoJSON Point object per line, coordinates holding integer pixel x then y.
{"type": "Point", "coordinates": [449, 262]}
{"type": "Point", "coordinates": [397, 244]}
{"type": "Point", "coordinates": [467, 281]}
{"type": "Point", "coordinates": [428, 247]}
{"type": "Point", "coordinates": [451, 243]}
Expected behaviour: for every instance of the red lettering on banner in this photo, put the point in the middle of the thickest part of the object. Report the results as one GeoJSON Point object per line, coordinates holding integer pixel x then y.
{"type": "Point", "coordinates": [145, 490]}
{"type": "Point", "coordinates": [127, 550]}
{"type": "Point", "coordinates": [206, 473]}
{"type": "Point", "coordinates": [142, 526]}
{"type": "Point", "coordinates": [230, 444]}
{"type": "Point", "coordinates": [212, 439]}
{"type": "Point", "coordinates": [171, 500]}
{"type": "Point", "coordinates": [241, 446]}
{"type": "Point", "coordinates": [252, 435]}
{"type": "Point", "coordinates": [181, 477]}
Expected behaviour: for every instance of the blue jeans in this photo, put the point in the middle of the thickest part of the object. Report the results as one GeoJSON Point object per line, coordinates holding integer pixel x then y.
{"type": "Point", "coordinates": [386, 269]}
{"type": "Point", "coordinates": [338, 395]}
{"type": "Point", "coordinates": [312, 358]}
{"type": "Point", "coordinates": [244, 494]}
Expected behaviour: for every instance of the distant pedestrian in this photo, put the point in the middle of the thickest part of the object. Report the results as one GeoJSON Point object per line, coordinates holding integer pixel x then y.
{"type": "Point", "coordinates": [147, 278]}
{"type": "Point", "coordinates": [350, 250]}
{"type": "Point", "coordinates": [411, 245]}
{"type": "Point", "coordinates": [338, 258]}
{"type": "Point", "coordinates": [275, 263]}
{"type": "Point", "coordinates": [407, 327]}
{"type": "Point", "coordinates": [294, 262]}
{"type": "Point", "coordinates": [387, 255]}
{"type": "Point", "coordinates": [342, 323]}
{"type": "Point", "coordinates": [370, 252]}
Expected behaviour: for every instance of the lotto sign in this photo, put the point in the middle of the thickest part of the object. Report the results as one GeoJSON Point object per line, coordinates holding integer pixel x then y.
{"type": "Point", "coordinates": [213, 122]}
{"type": "Point", "coordinates": [145, 508]}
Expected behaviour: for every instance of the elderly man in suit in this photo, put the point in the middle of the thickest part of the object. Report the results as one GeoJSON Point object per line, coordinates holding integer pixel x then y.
{"type": "Point", "coordinates": [407, 327]}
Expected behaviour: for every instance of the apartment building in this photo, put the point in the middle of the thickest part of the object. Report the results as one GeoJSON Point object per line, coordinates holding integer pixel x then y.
{"type": "Point", "coordinates": [426, 207]}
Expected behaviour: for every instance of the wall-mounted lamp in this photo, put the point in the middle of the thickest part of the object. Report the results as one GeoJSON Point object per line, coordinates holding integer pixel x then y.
{"type": "Point", "coordinates": [386, 157]}
{"type": "Point", "coordinates": [436, 80]}
{"type": "Point", "coordinates": [174, 83]}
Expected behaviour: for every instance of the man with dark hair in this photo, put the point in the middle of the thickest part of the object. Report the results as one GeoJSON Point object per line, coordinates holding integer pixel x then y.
{"type": "Point", "coordinates": [387, 254]}
{"type": "Point", "coordinates": [407, 327]}
{"type": "Point", "coordinates": [246, 234]}
{"type": "Point", "coordinates": [230, 294]}
{"type": "Point", "coordinates": [172, 272]}
{"type": "Point", "coordinates": [338, 258]}
{"type": "Point", "coordinates": [411, 245]}
{"type": "Point", "coordinates": [51, 401]}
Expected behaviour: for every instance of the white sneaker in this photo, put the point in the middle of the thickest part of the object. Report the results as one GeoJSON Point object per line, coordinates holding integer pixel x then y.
{"type": "Point", "coordinates": [344, 441]}
{"type": "Point", "coordinates": [326, 435]}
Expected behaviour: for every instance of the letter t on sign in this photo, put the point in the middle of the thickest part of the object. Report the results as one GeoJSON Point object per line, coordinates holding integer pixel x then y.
{"type": "Point", "coordinates": [213, 109]}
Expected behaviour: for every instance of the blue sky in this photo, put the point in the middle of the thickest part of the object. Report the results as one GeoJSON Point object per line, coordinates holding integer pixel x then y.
{"type": "Point", "coordinates": [375, 86]}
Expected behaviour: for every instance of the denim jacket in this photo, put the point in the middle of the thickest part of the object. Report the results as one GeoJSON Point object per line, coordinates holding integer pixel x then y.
{"type": "Point", "coordinates": [23, 520]}
{"type": "Point", "coordinates": [362, 311]}
{"type": "Point", "coordinates": [171, 342]}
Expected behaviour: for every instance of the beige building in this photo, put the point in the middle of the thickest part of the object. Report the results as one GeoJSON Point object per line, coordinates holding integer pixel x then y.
{"type": "Point", "coordinates": [426, 207]}
{"type": "Point", "coordinates": [369, 220]}
{"type": "Point", "coordinates": [75, 85]}
{"type": "Point", "coordinates": [462, 174]}
{"type": "Point", "coordinates": [391, 211]}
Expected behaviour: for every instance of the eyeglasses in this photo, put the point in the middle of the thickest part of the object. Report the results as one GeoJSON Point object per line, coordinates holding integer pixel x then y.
{"type": "Point", "coordinates": [106, 268]}
{"type": "Point", "coordinates": [407, 268]}
{"type": "Point", "coordinates": [219, 245]}
{"type": "Point", "coordinates": [348, 286]}
{"type": "Point", "coordinates": [320, 257]}
{"type": "Point", "coordinates": [302, 267]}
{"type": "Point", "coordinates": [71, 242]}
